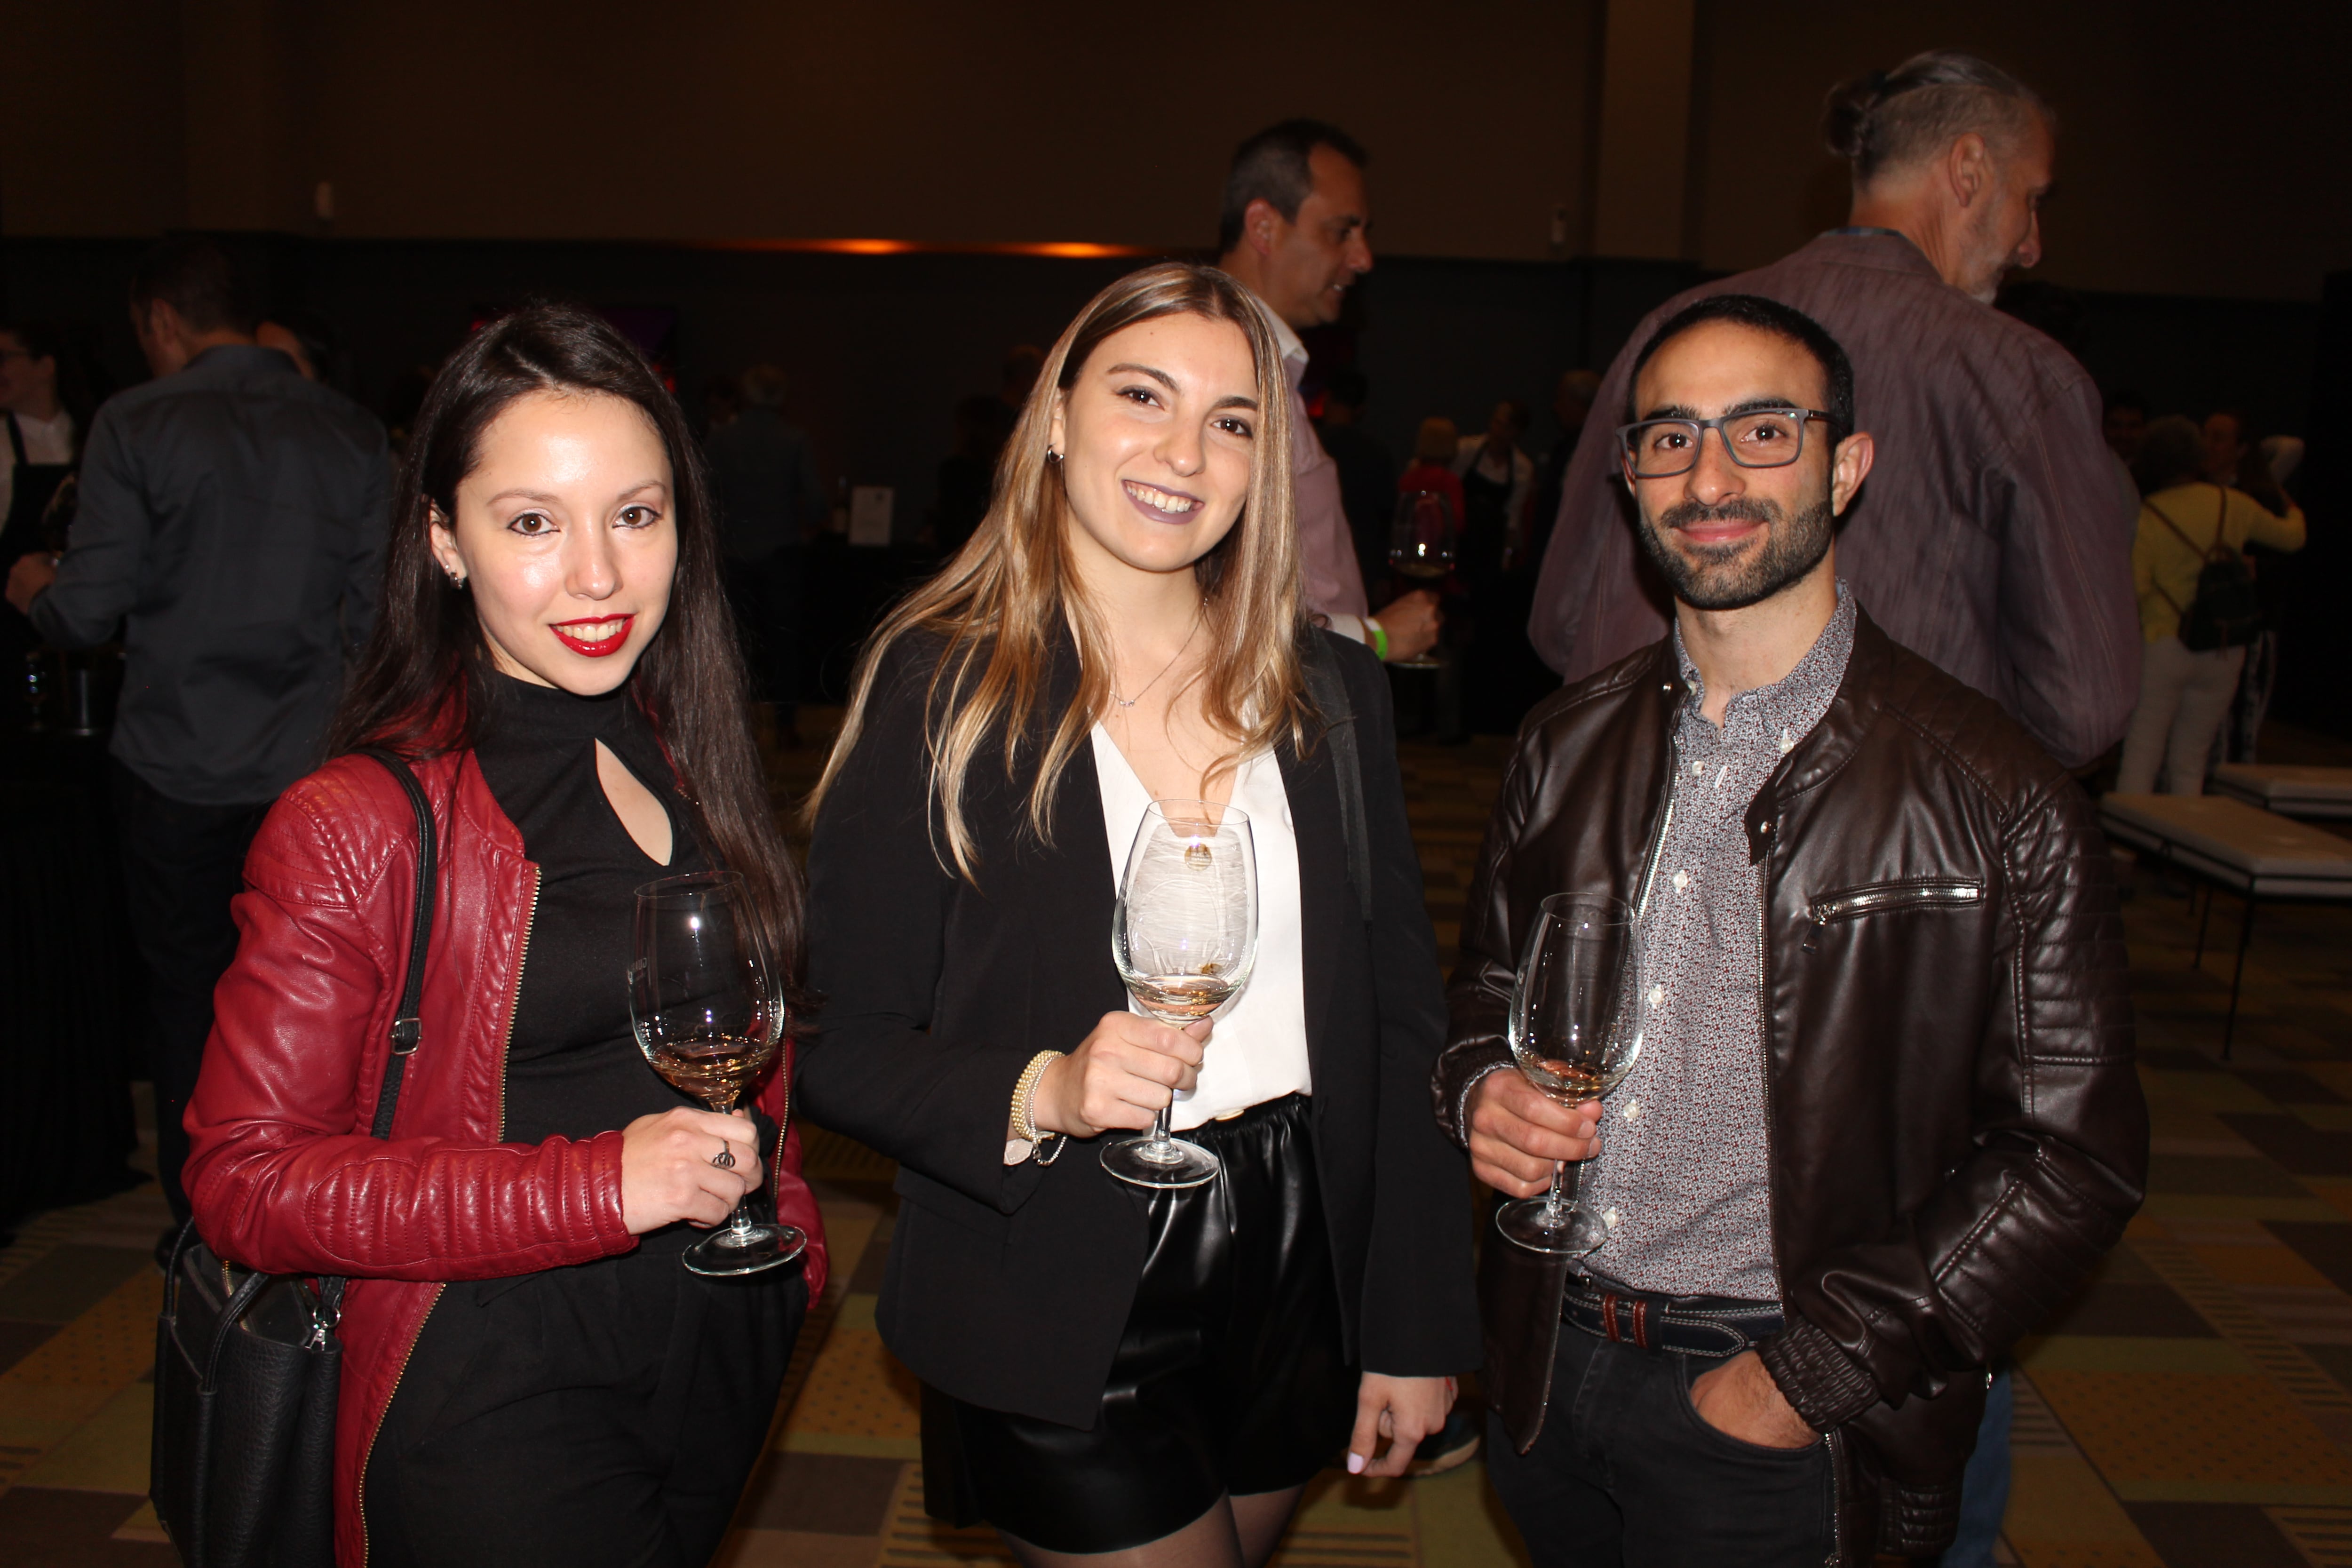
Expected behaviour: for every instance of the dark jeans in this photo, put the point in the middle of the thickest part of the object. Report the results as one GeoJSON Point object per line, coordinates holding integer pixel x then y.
{"type": "Point", "coordinates": [1627, 1474]}
{"type": "Point", "coordinates": [182, 864]}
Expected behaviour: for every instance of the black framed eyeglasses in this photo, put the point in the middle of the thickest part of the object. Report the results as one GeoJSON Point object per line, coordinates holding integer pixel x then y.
{"type": "Point", "coordinates": [1759, 438]}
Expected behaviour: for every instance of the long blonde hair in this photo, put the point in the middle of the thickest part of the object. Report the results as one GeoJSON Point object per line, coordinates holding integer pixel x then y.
{"type": "Point", "coordinates": [1008, 596]}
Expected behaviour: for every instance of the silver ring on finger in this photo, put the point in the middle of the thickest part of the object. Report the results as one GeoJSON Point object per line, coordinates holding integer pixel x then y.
{"type": "Point", "coordinates": [725, 1158]}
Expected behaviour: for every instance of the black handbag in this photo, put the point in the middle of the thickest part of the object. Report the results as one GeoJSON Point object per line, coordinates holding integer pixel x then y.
{"type": "Point", "coordinates": [247, 1364]}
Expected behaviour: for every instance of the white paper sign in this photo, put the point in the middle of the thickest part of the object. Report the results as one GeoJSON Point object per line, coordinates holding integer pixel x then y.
{"type": "Point", "coordinates": [869, 514]}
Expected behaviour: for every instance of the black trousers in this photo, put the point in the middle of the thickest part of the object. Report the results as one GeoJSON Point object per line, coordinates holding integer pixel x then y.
{"type": "Point", "coordinates": [767, 594]}
{"type": "Point", "coordinates": [601, 1416]}
{"type": "Point", "coordinates": [182, 864]}
{"type": "Point", "coordinates": [1626, 1475]}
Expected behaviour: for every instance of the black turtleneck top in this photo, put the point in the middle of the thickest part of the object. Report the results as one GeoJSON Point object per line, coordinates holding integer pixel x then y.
{"type": "Point", "coordinates": [574, 1068]}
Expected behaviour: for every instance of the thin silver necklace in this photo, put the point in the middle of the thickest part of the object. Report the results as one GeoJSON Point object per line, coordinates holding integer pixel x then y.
{"type": "Point", "coordinates": [1131, 701]}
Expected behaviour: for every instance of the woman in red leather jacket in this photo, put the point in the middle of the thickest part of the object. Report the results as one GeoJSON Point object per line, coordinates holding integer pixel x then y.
{"type": "Point", "coordinates": [528, 1373]}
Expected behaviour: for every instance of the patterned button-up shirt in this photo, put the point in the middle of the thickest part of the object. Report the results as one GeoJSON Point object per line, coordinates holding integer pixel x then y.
{"type": "Point", "coordinates": [1681, 1176]}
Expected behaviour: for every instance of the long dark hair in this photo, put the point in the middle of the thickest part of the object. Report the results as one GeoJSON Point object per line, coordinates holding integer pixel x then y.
{"type": "Point", "coordinates": [422, 686]}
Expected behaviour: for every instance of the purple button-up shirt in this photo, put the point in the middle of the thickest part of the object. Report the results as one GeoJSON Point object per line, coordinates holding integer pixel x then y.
{"type": "Point", "coordinates": [1992, 536]}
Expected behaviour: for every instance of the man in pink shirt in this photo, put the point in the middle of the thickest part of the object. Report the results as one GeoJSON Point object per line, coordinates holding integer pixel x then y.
{"type": "Point", "coordinates": [1293, 232]}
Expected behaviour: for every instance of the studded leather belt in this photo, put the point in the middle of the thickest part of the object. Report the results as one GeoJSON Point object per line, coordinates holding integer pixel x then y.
{"type": "Point", "coordinates": [1715, 1327]}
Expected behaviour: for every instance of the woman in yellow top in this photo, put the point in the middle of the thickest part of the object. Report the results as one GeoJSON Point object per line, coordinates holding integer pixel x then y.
{"type": "Point", "coordinates": [2184, 695]}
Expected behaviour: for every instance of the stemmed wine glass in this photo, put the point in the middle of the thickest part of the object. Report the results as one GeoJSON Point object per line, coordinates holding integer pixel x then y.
{"type": "Point", "coordinates": [1574, 1030]}
{"type": "Point", "coordinates": [1421, 546]}
{"type": "Point", "coordinates": [1184, 936]}
{"type": "Point", "coordinates": [709, 1017]}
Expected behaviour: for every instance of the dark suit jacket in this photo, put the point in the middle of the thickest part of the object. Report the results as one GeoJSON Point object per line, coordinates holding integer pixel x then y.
{"type": "Point", "coordinates": [1009, 1287]}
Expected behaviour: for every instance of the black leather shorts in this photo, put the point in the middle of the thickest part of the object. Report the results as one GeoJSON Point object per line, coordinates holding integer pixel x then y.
{"type": "Point", "coordinates": [1228, 1379]}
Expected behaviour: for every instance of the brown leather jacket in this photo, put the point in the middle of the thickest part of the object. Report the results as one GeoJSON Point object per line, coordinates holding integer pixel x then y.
{"type": "Point", "coordinates": [1958, 1132]}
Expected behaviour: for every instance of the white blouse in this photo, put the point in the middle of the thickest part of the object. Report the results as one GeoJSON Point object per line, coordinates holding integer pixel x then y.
{"type": "Point", "coordinates": [1257, 1050]}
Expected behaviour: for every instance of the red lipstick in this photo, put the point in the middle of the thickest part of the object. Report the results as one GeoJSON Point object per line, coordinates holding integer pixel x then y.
{"type": "Point", "coordinates": [598, 647]}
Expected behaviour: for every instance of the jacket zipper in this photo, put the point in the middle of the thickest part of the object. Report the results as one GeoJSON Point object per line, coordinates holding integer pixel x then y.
{"type": "Point", "coordinates": [1888, 896]}
{"type": "Point", "coordinates": [514, 1000]}
{"type": "Point", "coordinates": [366, 1548]}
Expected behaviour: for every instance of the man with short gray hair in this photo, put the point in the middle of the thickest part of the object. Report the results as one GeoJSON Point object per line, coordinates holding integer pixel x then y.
{"type": "Point", "coordinates": [1992, 539]}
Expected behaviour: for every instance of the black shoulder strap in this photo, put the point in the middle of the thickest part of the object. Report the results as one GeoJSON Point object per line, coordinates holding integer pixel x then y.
{"type": "Point", "coordinates": [1328, 689]}
{"type": "Point", "coordinates": [406, 1029]}
{"type": "Point", "coordinates": [16, 443]}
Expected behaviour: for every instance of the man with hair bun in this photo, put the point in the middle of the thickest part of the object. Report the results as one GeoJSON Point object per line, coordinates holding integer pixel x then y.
{"type": "Point", "coordinates": [1993, 538]}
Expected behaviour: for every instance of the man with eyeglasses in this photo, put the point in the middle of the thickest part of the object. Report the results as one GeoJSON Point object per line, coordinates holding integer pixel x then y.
{"type": "Point", "coordinates": [1883, 1114]}
{"type": "Point", "coordinates": [1993, 538]}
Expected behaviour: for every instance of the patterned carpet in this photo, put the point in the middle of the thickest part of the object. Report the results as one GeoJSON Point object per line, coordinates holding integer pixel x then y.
{"type": "Point", "coordinates": [2192, 1409]}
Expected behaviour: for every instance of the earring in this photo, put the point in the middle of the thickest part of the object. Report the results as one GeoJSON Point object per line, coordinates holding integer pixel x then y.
{"type": "Point", "coordinates": [457, 581]}
{"type": "Point", "coordinates": [1052, 455]}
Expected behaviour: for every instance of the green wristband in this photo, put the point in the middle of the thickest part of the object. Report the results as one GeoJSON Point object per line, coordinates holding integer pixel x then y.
{"type": "Point", "coordinates": [1379, 637]}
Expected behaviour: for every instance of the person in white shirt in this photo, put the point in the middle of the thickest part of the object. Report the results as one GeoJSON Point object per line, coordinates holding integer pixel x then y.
{"type": "Point", "coordinates": [1151, 1374]}
{"type": "Point", "coordinates": [1293, 232]}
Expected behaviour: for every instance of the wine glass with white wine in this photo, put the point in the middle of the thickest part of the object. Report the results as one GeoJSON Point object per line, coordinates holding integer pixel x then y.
{"type": "Point", "coordinates": [708, 1016]}
{"type": "Point", "coordinates": [1574, 1031]}
{"type": "Point", "coordinates": [1184, 936]}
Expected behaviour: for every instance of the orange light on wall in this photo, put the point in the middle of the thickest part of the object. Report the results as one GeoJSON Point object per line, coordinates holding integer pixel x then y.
{"type": "Point", "coordinates": [1065, 249]}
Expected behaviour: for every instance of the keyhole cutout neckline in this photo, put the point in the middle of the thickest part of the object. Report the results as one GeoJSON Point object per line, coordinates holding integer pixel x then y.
{"type": "Point", "coordinates": [636, 808]}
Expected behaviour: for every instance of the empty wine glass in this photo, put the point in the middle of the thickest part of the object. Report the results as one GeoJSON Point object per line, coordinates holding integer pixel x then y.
{"type": "Point", "coordinates": [709, 1017]}
{"type": "Point", "coordinates": [1184, 936]}
{"type": "Point", "coordinates": [1421, 547]}
{"type": "Point", "coordinates": [1574, 1032]}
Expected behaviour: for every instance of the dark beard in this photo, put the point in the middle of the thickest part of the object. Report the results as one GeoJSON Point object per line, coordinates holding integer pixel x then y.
{"type": "Point", "coordinates": [1714, 579]}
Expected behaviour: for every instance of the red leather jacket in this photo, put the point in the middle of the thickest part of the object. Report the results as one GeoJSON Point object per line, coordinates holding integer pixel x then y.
{"type": "Point", "coordinates": [281, 1171]}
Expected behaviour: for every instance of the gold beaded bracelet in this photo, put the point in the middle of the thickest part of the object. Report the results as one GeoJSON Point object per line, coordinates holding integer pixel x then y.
{"type": "Point", "coordinates": [1024, 1127]}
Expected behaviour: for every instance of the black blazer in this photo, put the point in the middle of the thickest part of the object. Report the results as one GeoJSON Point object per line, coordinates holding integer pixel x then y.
{"type": "Point", "coordinates": [1009, 1287]}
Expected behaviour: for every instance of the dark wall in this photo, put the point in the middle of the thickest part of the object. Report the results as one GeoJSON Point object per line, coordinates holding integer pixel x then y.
{"type": "Point", "coordinates": [2316, 659]}
{"type": "Point", "coordinates": [881, 347]}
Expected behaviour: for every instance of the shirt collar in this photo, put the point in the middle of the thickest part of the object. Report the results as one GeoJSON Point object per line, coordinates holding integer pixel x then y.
{"type": "Point", "coordinates": [1294, 351]}
{"type": "Point", "coordinates": [1788, 708]}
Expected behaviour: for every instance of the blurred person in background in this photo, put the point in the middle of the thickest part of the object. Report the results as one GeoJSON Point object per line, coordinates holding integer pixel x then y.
{"type": "Point", "coordinates": [2188, 522]}
{"type": "Point", "coordinates": [2233, 455]}
{"type": "Point", "coordinates": [2123, 421]}
{"type": "Point", "coordinates": [1572, 405]}
{"type": "Point", "coordinates": [311, 341]}
{"type": "Point", "coordinates": [722, 400]}
{"type": "Point", "coordinates": [37, 385]}
{"type": "Point", "coordinates": [1994, 538]}
{"type": "Point", "coordinates": [1367, 472]}
{"type": "Point", "coordinates": [231, 529]}
{"type": "Point", "coordinates": [1294, 232]}
{"type": "Point", "coordinates": [1496, 477]}
{"type": "Point", "coordinates": [1434, 447]}
{"type": "Point", "coordinates": [770, 503]}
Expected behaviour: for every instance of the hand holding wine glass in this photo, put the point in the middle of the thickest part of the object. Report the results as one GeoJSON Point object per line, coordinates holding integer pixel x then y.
{"type": "Point", "coordinates": [1574, 1033]}
{"type": "Point", "coordinates": [710, 1019]}
{"type": "Point", "coordinates": [1119, 1076]}
{"type": "Point", "coordinates": [1184, 937]}
{"type": "Point", "coordinates": [1420, 548]}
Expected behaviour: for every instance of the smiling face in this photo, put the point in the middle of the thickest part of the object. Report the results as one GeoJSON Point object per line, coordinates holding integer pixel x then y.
{"type": "Point", "coordinates": [1158, 434]}
{"type": "Point", "coordinates": [1315, 258]}
{"type": "Point", "coordinates": [565, 538]}
{"type": "Point", "coordinates": [1727, 536]}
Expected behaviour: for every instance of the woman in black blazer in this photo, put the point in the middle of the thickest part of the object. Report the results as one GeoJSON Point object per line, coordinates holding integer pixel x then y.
{"type": "Point", "coordinates": [1108, 1369]}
